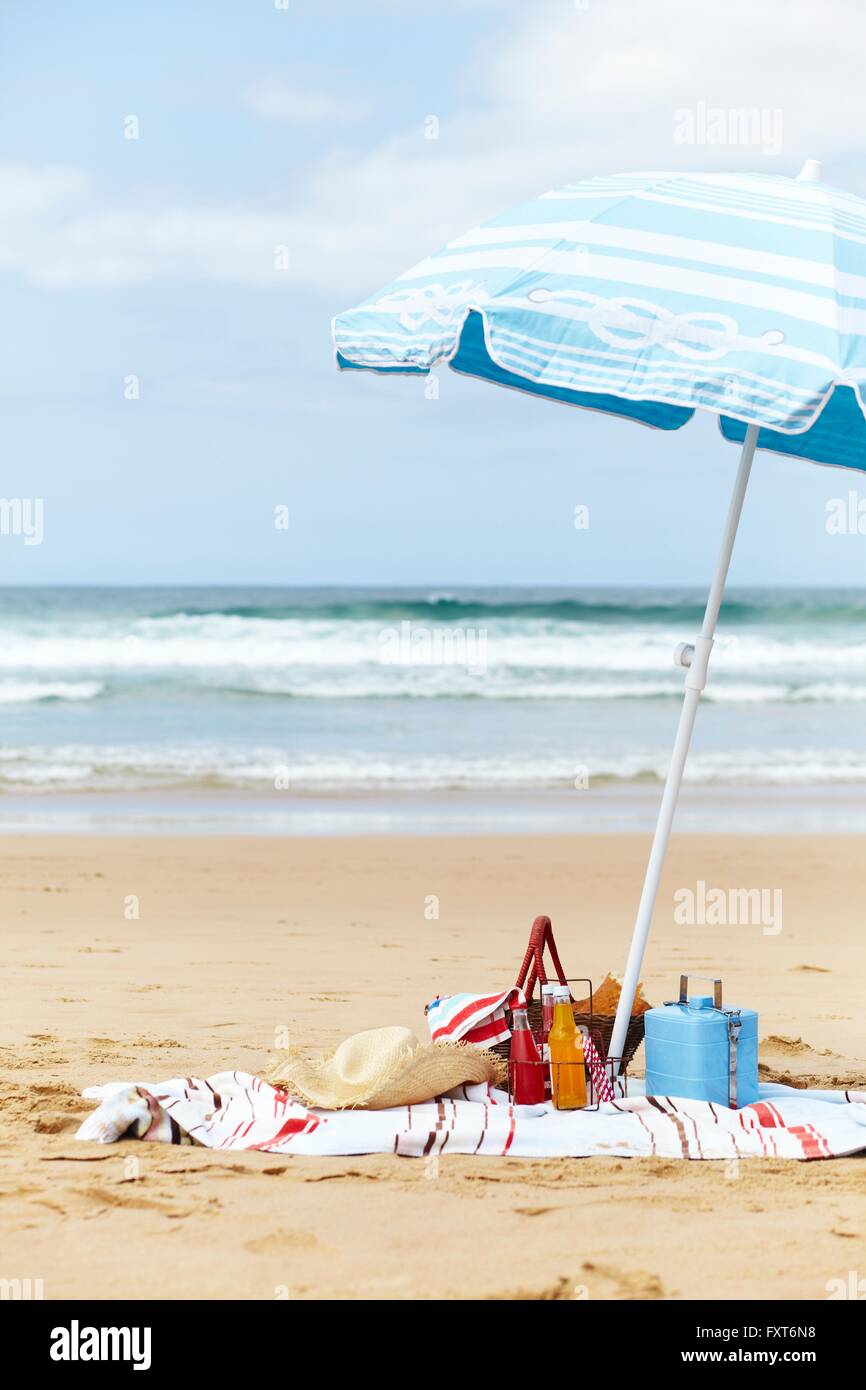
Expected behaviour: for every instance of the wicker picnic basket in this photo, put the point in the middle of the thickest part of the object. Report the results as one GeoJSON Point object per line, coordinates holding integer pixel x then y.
{"type": "Point", "coordinates": [532, 971]}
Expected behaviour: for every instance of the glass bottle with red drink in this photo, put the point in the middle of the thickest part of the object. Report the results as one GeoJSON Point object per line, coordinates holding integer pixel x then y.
{"type": "Point", "coordinates": [525, 1072]}
{"type": "Point", "coordinates": [547, 994]}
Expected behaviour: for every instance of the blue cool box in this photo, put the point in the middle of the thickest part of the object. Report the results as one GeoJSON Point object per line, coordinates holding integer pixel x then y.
{"type": "Point", "coordinates": [688, 1052]}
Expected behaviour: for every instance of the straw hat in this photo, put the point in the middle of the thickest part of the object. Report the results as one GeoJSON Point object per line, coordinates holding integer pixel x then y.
{"type": "Point", "coordinates": [381, 1068]}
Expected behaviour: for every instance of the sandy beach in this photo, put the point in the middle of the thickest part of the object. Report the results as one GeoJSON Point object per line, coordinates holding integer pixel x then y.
{"type": "Point", "coordinates": [236, 939]}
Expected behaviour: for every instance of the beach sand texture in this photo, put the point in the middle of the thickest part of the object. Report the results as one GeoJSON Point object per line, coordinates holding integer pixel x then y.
{"type": "Point", "coordinates": [238, 938]}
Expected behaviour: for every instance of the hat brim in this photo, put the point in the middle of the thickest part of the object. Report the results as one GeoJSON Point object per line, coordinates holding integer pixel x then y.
{"type": "Point", "coordinates": [420, 1074]}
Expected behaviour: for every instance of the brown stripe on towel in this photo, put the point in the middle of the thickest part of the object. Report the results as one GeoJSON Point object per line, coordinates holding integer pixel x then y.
{"type": "Point", "coordinates": [483, 1130]}
{"type": "Point", "coordinates": [672, 1115]}
{"type": "Point", "coordinates": [645, 1126]}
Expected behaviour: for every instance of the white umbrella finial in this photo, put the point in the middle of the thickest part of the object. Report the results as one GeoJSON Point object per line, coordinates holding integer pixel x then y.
{"type": "Point", "coordinates": [811, 172]}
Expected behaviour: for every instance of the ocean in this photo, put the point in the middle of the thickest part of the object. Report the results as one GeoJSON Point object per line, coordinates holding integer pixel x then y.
{"type": "Point", "coordinates": [319, 710]}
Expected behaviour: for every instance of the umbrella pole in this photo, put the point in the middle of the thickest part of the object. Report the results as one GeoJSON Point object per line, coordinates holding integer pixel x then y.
{"type": "Point", "coordinates": [697, 660]}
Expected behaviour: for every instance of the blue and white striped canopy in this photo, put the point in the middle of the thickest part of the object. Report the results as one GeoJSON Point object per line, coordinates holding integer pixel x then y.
{"type": "Point", "coordinates": [648, 296]}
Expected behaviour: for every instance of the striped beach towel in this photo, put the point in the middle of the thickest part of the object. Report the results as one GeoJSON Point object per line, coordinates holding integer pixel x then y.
{"type": "Point", "coordinates": [237, 1111]}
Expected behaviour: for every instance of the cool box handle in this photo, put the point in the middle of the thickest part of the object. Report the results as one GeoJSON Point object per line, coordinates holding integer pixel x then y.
{"type": "Point", "coordinates": [716, 984]}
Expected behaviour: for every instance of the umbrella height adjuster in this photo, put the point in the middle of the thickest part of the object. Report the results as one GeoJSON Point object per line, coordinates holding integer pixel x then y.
{"type": "Point", "coordinates": [695, 657]}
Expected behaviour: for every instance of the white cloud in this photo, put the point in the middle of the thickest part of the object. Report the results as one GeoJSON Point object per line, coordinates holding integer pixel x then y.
{"type": "Point", "coordinates": [82, 245]}
{"type": "Point", "coordinates": [563, 93]}
{"type": "Point", "coordinates": [607, 80]}
{"type": "Point", "coordinates": [275, 100]}
{"type": "Point", "coordinates": [25, 190]}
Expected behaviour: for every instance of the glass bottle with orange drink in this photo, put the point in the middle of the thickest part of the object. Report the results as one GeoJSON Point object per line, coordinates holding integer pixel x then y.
{"type": "Point", "coordinates": [566, 1055]}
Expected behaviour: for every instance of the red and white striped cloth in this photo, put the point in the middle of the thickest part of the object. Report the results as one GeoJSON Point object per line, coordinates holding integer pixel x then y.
{"type": "Point", "coordinates": [601, 1082]}
{"type": "Point", "coordinates": [237, 1111]}
{"type": "Point", "coordinates": [478, 1020]}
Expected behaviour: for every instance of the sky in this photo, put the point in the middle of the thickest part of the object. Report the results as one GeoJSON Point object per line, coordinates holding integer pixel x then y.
{"type": "Point", "coordinates": [189, 193]}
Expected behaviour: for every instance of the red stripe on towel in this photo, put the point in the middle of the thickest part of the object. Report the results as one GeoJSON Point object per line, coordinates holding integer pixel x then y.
{"type": "Point", "coordinates": [289, 1130]}
{"type": "Point", "coordinates": [495, 1030]}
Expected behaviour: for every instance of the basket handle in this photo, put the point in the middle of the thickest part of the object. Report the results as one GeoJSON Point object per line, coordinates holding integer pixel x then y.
{"type": "Point", "coordinates": [532, 966]}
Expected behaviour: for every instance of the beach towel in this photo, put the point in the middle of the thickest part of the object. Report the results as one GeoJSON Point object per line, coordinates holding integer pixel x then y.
{"type": "Point", "coordinates": [235, 1110]}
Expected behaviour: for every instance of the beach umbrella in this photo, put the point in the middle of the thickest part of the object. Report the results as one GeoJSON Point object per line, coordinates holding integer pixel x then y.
{"type": "Point", "coordinates": [649, 296]}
